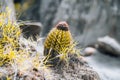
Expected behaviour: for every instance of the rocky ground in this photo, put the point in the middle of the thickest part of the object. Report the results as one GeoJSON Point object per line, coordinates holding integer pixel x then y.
{"type": "Point", "coordinates": [93, 23]}
{"type": "Point", "coordinates": [77, 68]}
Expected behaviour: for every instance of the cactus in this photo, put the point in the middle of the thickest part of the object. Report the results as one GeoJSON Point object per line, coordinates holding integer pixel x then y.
{"type": "Point", "coordinates": [58, 44]}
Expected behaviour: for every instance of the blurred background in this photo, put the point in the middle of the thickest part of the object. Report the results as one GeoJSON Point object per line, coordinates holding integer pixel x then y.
{"type": "Point", "coordinates": [94, 24]}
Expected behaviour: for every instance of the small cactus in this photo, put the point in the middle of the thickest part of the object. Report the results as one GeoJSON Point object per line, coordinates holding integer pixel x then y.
{"type": "Point", "coordinates": [58, 44]}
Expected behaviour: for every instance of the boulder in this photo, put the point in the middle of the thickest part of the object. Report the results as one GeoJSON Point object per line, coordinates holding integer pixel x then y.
{"type": "Point", "coordinates": [88, 51]}
{"type": "Point", "coordinates": [89, 19]}
{"type": "Point", "coordinates": [109, 46]}
{"type": "Point", "coordinates": [31, 29]}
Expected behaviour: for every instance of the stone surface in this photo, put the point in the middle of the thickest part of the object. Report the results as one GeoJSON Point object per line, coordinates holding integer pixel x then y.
{"type": "Point", "coordinates": [77, 69]}
{"type": "Point", "coordinates": [88, 19]}
{"type": "Point", "coordinates": [109, 46]}
{"type": "Point", "coordinates": [88, 51]}
{"type": "Point", "coordinates": [47, 14]}
{"type": "Point", "coordinates": [31, 13]}
{"type": "Point", "coordinates": [31, 29]}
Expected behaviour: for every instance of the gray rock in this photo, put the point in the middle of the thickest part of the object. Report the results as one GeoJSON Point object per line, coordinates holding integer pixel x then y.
{"type": "Point", "coordinates": [88, 51]}
{"type": "Point", "coordinates": [31, 29]}
{"type": "Point", "coordinates": [32, 13]}
{"type": "Point", "coordinates": [48, 9]}
{"type": "Point", "coordinates": [88, 19]}
{"type": "Point", "coordinates": [109, 45]}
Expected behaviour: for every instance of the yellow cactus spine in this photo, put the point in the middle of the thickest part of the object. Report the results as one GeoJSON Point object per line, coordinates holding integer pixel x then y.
{"type": "Point", "coordinates": [58, 43]}
{"type": "Point", "coordinates": [9, 37]}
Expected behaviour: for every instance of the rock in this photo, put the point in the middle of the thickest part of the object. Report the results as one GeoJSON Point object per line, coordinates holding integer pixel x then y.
{"type": "Point", "coordinates": [89, 19]}
{"type": "Point", "coordinates": [40, 10]}
{"type": "Point", "coordinates": [77, 69]}
{"type": "Point", "coordinates": [31, 29]}
{"type": "Point", "coordinates": [109, 46]}
{"type": "Point", "coordinates": [70, 11]}
{"type": "Point", "coordinates": [29, 10]}
{"type": "Point", "coordinates": [48, 10]}
{"type": "Point", "coordinates": [88, 51]}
